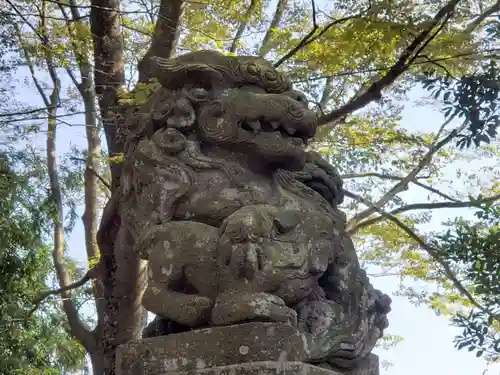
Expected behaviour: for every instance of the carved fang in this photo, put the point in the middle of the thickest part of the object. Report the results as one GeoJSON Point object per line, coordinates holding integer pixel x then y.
{"type": "Point", "coordinates": [255, 125]}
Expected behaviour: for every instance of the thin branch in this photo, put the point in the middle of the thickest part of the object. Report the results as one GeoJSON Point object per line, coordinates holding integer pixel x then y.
{"type": "Point", "coordinates": [149, 10]}
{"type": "Point", "coordinates": [31, 69]}
{"type": "Point", "coordinates": [372, 70]}
{"type": "Point", "coordinates": [419, 50]}
{"type": "Point", "coordinates": [399, 178]}
{"type": "Point", "coordinates": [24, 19]}
{"type": "Point", "coordinates": [426, 206]}
{"type": "Point", "coordinates": [403, 184]}
{"type": "Point", "coordinates": [94, 172]}
{"type": "Point", "coordinates": [27, 112]}
{"type": "Point", "coordinates": [310, 37]}
{"type": "Point", "coordinates": [440, 66]}
{"type": "Point", "coordinates": [72, 76]}
{"type": "Point", "coordinates": [374, 91]}
{"type": "Point", "coordinates": [440, 131]}
{"type": "Point", "coordinates": [137, 30]}
{"type": "Point", "coordinates": [433, 252]}
{"type": "Point", "coordinates": [304, 41]}
{"type": "Point", "coordinates": [100, 178]}
{"type": "Point", "coordinates": [44, 295]}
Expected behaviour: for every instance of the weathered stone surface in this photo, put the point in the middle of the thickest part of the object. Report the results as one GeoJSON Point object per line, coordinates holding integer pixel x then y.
{"type": "Point", "coordinates": [369, 365]}
{"type": "Point", "coordinates": [212, 347]}
{"type": "Point", "coordinates": [238, 222]}
{"type": "Point", "coordinates": [262, 368]}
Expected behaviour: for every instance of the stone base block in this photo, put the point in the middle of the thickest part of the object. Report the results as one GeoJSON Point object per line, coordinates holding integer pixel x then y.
{"type": "Point", "coordinates": [251, 348]}
{"type": "Point", "coordinates": [261, 368]}
{"type": "Point", "coordinates": [212, 347]}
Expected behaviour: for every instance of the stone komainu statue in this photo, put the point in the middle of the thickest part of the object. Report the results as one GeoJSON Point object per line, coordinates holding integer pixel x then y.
{"type": "Point", "coordinates": [237, 221]}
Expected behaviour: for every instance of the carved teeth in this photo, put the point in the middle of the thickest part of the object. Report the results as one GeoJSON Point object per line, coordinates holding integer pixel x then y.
{"type": "Point", "coordinates": [255, 125]}
{"type": "Point", "coordinates": [275, 124]}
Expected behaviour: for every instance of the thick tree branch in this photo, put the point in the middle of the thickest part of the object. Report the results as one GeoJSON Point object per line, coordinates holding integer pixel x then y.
{"type": "Point", "coordinates": [243, 24]}
{"type": "Point", "coordinates": [433, 252]}
{"type": "Point", "coordinates": [109, 71]}
{"type": "Point", "coordinates": [268, 37]}
{"type": "Point", "coordinates": [325, 96]}
{"type": "Point", "coordinates": [87, 91]}
{"type": "Point", "coordinates": [166, 34]}
{"type": "Point", "coordinates": [403, 184]}
{"type": "Point", "coordinates": [374, 91]}
{"type": "Point", "coordinates": [122, 272]}
{"type": "Point", "coordinates": [482, 17]}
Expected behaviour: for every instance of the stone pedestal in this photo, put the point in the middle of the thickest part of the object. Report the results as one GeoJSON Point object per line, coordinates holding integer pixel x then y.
{"type": "Point", "coordinates": [245, 349]}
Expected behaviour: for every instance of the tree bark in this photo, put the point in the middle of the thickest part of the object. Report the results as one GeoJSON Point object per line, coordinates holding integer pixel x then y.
{"type": "Point", "coordinates": [77, 327]}
{"type": "Point", "coordinates": [97, 361]}
{"type": "Point", "coordinates": [374, 90]}
{"type": "Point", "coordinates": [86, 88]}
{"type": "Point", "coordinates": [243, 25]}
{"type": "Point", "coordinates": [278, 15]}
{"type": "Point", "coordinates": [109, 73]}
{"type": "Point", "coordinates": [167, 30]}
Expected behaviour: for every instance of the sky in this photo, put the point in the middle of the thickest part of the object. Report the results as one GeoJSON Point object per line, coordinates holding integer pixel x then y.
{"type": "Point", "coordinates": [427, 347]}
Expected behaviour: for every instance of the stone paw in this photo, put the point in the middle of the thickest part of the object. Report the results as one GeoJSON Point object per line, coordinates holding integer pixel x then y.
{"type": "Point", "coordinates": [243, 307]}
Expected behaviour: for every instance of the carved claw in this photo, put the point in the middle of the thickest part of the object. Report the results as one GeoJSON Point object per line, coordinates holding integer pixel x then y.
{"type": "Point", "coordinates": [232, 308]}
{"type": "Point", "coordinates": [186, 309]}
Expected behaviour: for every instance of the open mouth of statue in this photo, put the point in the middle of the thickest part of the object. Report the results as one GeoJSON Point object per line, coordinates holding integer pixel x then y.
{"type": "Point", "coordinates": [286, 132]}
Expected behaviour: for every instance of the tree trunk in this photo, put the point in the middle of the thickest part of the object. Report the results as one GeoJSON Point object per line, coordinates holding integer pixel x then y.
{"type": "Point", "coordinates": [97, 361]}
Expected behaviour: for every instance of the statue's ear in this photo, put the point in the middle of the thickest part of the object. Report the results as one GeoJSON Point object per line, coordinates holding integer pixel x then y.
{"type": "Point", "coordinates": [172, 109]}
{"type": "Point", "coordinates": [182, 115]}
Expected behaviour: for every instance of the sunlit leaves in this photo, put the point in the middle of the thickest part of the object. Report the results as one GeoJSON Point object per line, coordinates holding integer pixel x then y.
{"type": "Point", "coordinates": [474, 250]}
{"type": "Point", "coordinates": [41, 343]}
{"type": "Point", "coordinates": [475, 98]}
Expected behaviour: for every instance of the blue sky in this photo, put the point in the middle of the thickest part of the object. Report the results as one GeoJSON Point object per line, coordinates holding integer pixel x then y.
{"type": "Point", "coordinates": [427, 347]}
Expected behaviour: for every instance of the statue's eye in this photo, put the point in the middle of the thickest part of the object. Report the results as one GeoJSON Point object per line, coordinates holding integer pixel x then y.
{"type": "Point", "coordinates": [301, 98]}
{"type": "Point", "coordinates": [285, 224]}
{"type": "Point", "coordinates": [253, 69]}
{"type": "Point", "coordinates": [271, 75]}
